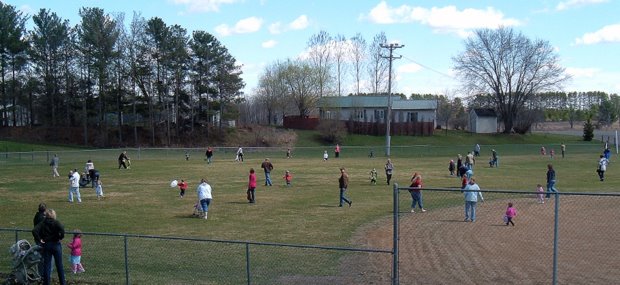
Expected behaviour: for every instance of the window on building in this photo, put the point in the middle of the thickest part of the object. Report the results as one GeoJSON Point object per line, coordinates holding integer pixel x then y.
{"type": "Point", "coordinates": [413, 116]}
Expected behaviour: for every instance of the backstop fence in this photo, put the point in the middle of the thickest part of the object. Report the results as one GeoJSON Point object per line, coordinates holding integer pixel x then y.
{"type": "Point", "coordinates": [569, 238]}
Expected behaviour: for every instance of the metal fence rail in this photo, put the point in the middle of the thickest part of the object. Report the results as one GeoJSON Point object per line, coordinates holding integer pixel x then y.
{"type": "Point", "coordinates": [145, 259]}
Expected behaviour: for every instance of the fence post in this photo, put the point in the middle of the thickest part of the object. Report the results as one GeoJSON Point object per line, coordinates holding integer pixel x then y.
{"type": "Point", "coordinates": [395, 238]}
{"type": "Point", "coordinates": [126, 261]}
{"type": "Point", "coordinates": [555, 238]}
{"type": "Point", "coordinates": [247, 263]}
{"type": "Point", "coordinates": [16, 235]}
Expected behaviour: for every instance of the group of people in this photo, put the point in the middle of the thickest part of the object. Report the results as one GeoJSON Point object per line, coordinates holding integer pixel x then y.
{"type": "Point", "coordinates": [90, 176]}
{"type": "Point", "coordinates": [48, 233]}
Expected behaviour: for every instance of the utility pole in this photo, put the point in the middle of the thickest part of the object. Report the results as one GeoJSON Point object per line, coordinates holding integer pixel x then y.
{"type": "Point", "coordinates": [388, 120]}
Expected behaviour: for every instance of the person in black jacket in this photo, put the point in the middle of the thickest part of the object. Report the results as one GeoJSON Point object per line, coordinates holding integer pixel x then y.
{"type": "Point", "coordinates": [38, 218]}
{"type": "Point", "coordinates": [49, 233]}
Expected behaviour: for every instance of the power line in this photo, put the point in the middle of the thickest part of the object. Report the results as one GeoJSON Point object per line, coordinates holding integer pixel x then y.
{"type": "Point", "coordinates": [427, 67]}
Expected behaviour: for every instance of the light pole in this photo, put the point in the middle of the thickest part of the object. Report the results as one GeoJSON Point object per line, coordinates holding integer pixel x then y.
{"type": "Point", "coordinates": [388, 120]}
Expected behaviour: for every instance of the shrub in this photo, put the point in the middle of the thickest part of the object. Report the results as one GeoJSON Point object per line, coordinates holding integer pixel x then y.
{"type": "Point", "coordinates": [588, 130]}
{"type": "Point", "coordinates": [332, 131]}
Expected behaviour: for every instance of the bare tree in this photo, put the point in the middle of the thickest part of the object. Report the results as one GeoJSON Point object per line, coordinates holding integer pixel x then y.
{"type": "Point", "coordinates": [509, 66]}
{"type": "Point", "coordinates": [302, 82]}
{"type": "Point", "coordinates": [358, 56]}
{"type": "Point", "coordinates": [341, 50]}
{"type": "Point", "coordinates": [320, 54]}
{"type": "Point", "coordinates": [378, 66]}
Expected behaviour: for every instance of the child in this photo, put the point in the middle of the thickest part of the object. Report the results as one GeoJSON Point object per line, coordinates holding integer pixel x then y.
{"type": "Point", "coordinates": [251, 187]}
{"type": "Point", "coordinates": [186, 155]}
{"type": "Point", "coordinates": [552, 153]}
{"type": "Point", "coordinates": [511, 212]}
{"type": "Point", "coordinates": [542, 150]}
{"type": "Point", "coordinates": [373, 176]}
{"type": "Point", "coordinates": [288, 178]}
{"type": "Point", "coordinates": [182, 187]}
{"type": "Point", "coordinates": [325, 156]}
{"type": "Point", "coordinates": [288, 152]}
{"type": "Point", "coordinates": [76, 252]}
{"type": "Point", "coordinates": [540, 195]}
{"type": "Point", "coordinates": [99, 190]}
{"type": "Point", "coordinates": [451, 167]}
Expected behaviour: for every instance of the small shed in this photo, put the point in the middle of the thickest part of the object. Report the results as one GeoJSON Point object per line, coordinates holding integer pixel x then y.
{"type": "Point", "coordinates": [482, 121]}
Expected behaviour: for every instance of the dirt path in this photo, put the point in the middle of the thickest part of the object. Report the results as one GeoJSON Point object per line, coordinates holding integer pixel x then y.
{"type": "Point", "coordinates": [437, 247]}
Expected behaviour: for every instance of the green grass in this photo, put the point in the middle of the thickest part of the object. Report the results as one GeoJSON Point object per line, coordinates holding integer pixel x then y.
{"type": "Point", "coordinates": [140, 201]}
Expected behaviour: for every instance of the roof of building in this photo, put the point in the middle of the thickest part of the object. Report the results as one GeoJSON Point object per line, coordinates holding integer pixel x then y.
{"type": "Point", "coordinates": [398, 103]}
{"type": "Point", "coordinates": [484, 112]}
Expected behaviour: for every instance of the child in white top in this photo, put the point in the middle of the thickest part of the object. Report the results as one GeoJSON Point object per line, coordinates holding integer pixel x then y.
{"type": "Point", "coordinates": [325, 156]}
{"type": "Point", "coordinates": [540, 195]}
{"type": "Point", "coordinates": [99, 190]}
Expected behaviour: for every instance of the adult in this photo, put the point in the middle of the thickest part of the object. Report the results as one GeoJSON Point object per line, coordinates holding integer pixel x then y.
{"type": "Point", "coordinates": [204, 196]}
{"type": "Point", "coordinates": [389, 168]}
{"type": "Point", "coordinates": [472, 192]}
{"type": "Point", "coordinates": [94, 177]}
{"type": "Point", "coordinates": [40, 215]}
{"type": "Point", "coordinates": [477, 150]}
{"type": "Point", "coordinates": [54, 162]}
{"type": "Point", "coordinates": [343, 183]}
{"type": "Point", "coordinates": [550, 180]}
{"type": "Point", "coordinates": [122, 160]}
{"type": "Point", "coordinates": [337, 151]}
{"type": "Point", "coordinates": [494, 160]}
{"type": "Point", "coordinates": [459, 163]}
{"type": "Point", "coordinates": [267, 167]}
{"type": "Point", "coordinates": [563, 149]}
{"type": "Point", "coordinates": [470, 161]}
{"type": "Point", "coordinates": [74, 186]}
{"type": "Point", "coordinates": [252, 186]}
{"type": "Point", "coordinates": [416, 195]}
{"type": "Point", "coordinates": [602, 167]}
{"type": "Point", "coordinates": [38, 218]}
{"type": "Point", "coordinates": [209, 155]}
{"type": "Point", "coordinates": [239, 154]}
{"type": "Point", "coordinates": [49, 233]}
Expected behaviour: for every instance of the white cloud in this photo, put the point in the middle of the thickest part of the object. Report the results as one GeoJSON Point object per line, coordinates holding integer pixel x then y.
{"type": "Point", "coordinates": [441, 19]}
{"type": "Point", "coordinates": [26, 9]}
{"type": "Point", "coordinates": [203, 5]}
{"type": "Point", "coordinates": [576, 3]}
{"type": "Point", "coordinates": [577, 72]}
{"type": "Point", "coordinates": [269, 44]}
{"type": "Point", "coordinates": [299, 23]}
{"type": "Point", "coordinates": [244, 26]}
{"type": "Point", "coordinates": [609, 34]}
{"type": "Point", "coordinates": [275, 28]}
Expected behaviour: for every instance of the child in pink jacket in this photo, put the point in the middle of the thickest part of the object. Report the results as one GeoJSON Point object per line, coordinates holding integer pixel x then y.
{"type": "Point", "coordinates": [511, 212]}
{"type": "Point", "coordinates": [76, 252]}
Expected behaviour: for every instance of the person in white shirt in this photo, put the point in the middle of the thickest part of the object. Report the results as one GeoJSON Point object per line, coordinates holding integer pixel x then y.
{"type": "Point", "coordinates": [204, 196]}
{"type": "Point", "coordinates": [74, 186]}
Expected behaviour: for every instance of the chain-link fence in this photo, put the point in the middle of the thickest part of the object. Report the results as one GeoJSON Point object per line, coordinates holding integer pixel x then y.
{"type": "Point", "coordinates": [570, 238]}
{"type": "Point", "coordinates": [253, 153]}
{"type": "Point", "coordinates": [139, 259]}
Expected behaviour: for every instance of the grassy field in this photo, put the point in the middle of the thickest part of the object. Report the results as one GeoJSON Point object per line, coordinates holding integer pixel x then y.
{"type": "Point", "coordinates": [140, 201]}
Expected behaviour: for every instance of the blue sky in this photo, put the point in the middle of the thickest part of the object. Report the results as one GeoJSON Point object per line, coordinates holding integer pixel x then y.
{"type": "Point", "coordinates": [585, 33]}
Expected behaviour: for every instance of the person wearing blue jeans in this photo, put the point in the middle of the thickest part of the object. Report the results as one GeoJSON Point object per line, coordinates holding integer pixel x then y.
{"type": "Point", "coordinates": [472, 192]}
{"type": "Point", "coordinates": [268, 167]}
{"type": "Point", "coordinates": [550, 180]}
{"type": "Point", "coordinates": [204, 196]}
{"type": "Point", "coordinates": [49, 233]}
{"type": "Point", "coordinates": [343, 183]}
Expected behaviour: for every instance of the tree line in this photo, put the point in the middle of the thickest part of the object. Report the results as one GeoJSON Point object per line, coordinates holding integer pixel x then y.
{"type": "Point", "coordinates": [114, 80]}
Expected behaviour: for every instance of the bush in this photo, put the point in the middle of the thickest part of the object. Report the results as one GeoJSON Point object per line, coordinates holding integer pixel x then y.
{"type": "Point", "coordinates": [332, 131]}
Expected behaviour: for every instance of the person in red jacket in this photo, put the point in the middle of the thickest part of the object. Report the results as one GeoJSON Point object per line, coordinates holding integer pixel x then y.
{"type": "Point", "coordinates": [251, 186]}
{"type": "Point", "coordinates": [416, 195]}
{"type": "Point", "coordinates": [182, 187]}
